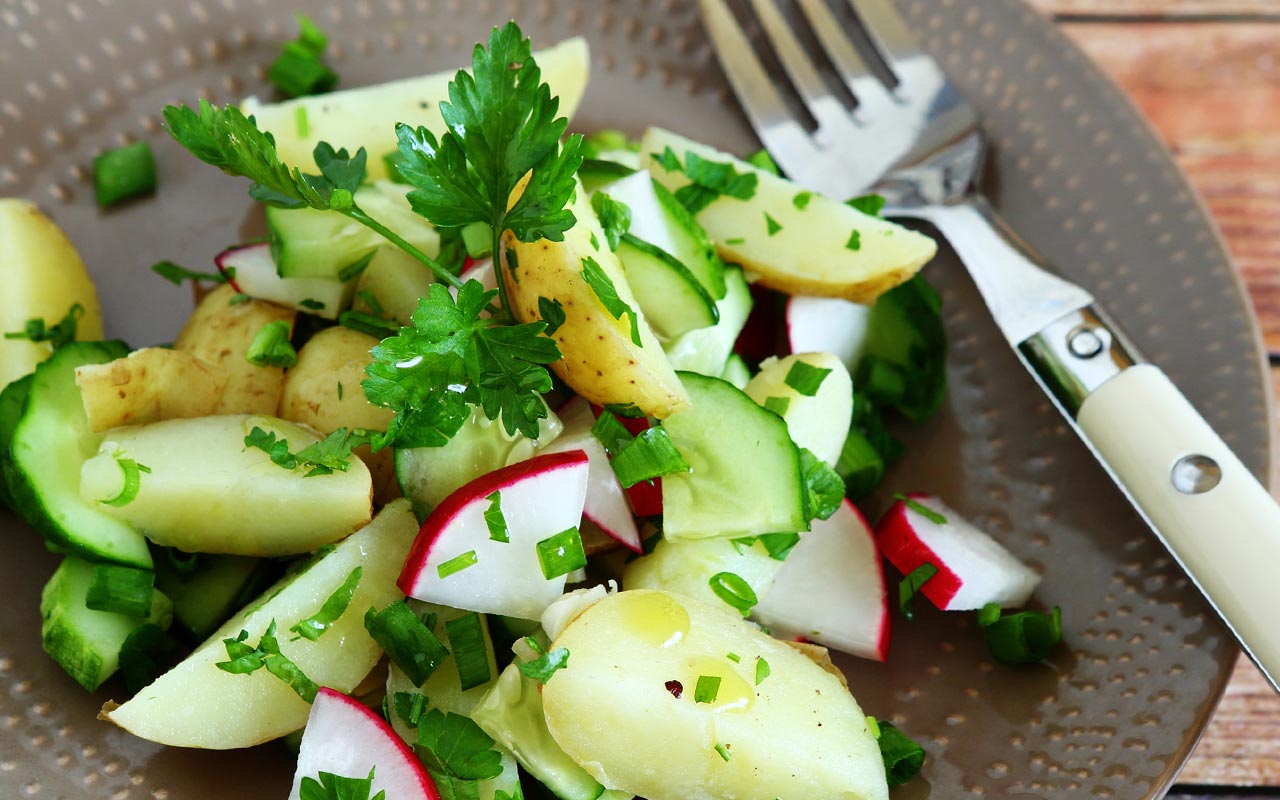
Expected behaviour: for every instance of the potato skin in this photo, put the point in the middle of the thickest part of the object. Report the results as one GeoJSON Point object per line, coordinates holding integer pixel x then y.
{"type": "Point", "coordinates": [796, 735]}
{"type": "Point", "coordinates": [220, 333]}
{"type": "Point", "coordinates": [600, 360]}
{"type": "Point", "coordinates": [149, 385]}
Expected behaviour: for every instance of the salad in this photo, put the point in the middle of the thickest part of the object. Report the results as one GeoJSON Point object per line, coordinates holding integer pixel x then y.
{"type": "Point", "coordinates": [512, 462]}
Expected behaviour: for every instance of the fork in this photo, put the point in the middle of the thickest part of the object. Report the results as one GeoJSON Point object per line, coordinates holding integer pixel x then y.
{"type": "Point", "coordinates": [918, 143]}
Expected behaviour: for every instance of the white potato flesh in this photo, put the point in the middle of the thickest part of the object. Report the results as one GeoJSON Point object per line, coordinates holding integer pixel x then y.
{"type": "Point", "coordinates": [686, 568]}
{"type": "Point", "coordinates": [195, 704]}
{"type": "Point", "coordinates": [206, 492]}
{"type": "Point", "coordinates": [795, 241]}
{"type": "Point", "coordinates": [796, 735]}
{"type": "Point", "coordinates": [819, 422]}
{"type": "Point", "coordinates": [367, 116]}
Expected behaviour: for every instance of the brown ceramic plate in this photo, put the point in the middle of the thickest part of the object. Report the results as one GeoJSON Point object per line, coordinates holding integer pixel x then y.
{"type": "Point", "coordinates": [1074, 169]}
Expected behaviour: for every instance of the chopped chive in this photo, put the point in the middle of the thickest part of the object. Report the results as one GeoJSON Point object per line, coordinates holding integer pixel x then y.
{"type": "Point", "coordinates": [911, 584]}
{"type": "Point", "coordinates": [367, 297]}
{"type": "Point", "coordinates": [377, 327]}
{"type": "Point", "coordinates": [902, 757]}
{"type": "Point", "coordinates": [734, 657]}
{"type": "Point", "coordinates": [778, 405]}
{"type": "Point", "coordinates": [312, 305]}
{"type": "Point", "coordinates": [1024, 637]}
{"type": "Point", "coordinates": [734, 591]}
{"type": "Point", "coordinates": [873, 727]}
{"type": "Point", "coordinates": [595, 243]}
{"type": "Point", "coordinates": [301, 121]}
{"type": "Point", "coordinates": [561, 554]}
{"type": "Point", "coordinates": [649, 455]}
{"type": "Point", "coordinates": [707, 689]}
{"type": "Point", "coordinates": [801, 200]}
{"type": "Point", "coordinates": [806, 378]}
{"type": "Point", "coordinates": [762, 670]}
{"type": "Point", "coordinates": [494, 519]}
{"type": "Point", "coordinates": [855, 240]}
{"type": "Point", "coordinates": [723, 750]}
{"type": "Point", "coordinates": [335, 606]}
{"type": "Point", "coordinates": [356, 267]}
{"type": "Point", "coordinates": [176, 273]}
{"type": "Point", "coordinates": [339, 391]}
{"type": "Point", "coordinates": [869, 204]}
{"type": "Point", "coordinates": [735, 240]}
{"type": "Point", "coordinates": [124, 173]}
{"type": "Point", "coordinates": [457, 564]}
{"type": "Point", "coordinates": [611, 433]}
{"type": "Point", "coordinates": [466, 637]}
{"type": "Point", "coordinates": [771, 224]}
{"type": "Point", "coordinates": [132, 472]}
{"type": "Point", "coordinates": [270, 346]}
{"type": "Point", "coordinates": [408, 642]}
{"type": "Point", "coordinates": [921, 509]}
{"type": "Point", "coordinates": [121, 590]}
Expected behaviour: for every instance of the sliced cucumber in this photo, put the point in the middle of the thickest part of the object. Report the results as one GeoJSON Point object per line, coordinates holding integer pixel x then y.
{"type": "Point", "coordinates": [216, 588]}
{"type": "Point", "coordinates": [658, 218]}
{"type": "Point", "coordinates": [310, 243]}
{"type": "Point", "coordinates": [705, 350]}
{"type": "Point", "coordinates": [671, 298]}
{"type": "Point", "coordinates": [84, 642]}
{"type": "Point", "coordinates": [12, 399]}
{"type": "Point", "coordinates": [50, 443]}
{"type": "Point", "coordinates": [596, 173]}
{"type": "Point", "coordinates": [724, 431]}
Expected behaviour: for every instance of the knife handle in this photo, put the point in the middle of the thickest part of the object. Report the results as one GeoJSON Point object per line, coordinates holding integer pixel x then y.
{"type": "Point", "coordinates": [1216, 519]}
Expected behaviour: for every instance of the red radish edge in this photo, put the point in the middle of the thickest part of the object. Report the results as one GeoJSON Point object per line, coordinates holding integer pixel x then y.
{"type": "Point", "coordinates": [899, 544]}
{"type": "Point", "coordinates": [481, 487]}
{"type": "Point", "coordinates": [882, 646]}
{"type": "Point", "coordinates": [424, 779]}
{"type": "Point", "coordinates": [218, 259]}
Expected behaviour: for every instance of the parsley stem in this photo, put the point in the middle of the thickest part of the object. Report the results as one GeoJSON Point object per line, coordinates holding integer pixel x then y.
{"type": "Point", "coordinates": [364, 219]}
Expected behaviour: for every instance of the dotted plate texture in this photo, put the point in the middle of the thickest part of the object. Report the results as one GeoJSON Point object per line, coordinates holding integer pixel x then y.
{"type": "Point", "coordinates": [1077, 173]}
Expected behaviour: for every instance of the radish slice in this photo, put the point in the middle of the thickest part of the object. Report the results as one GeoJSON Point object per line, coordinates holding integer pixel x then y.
{"type": "Point", "coordinates": [827, 325]}
{"type": "Point", "coordinates": [455, 561]}
{"type": "Point", "coordinates": [251, 270]}
{"type": "Point", "coordinates": [973, 569]}
{"type": "Point", "coordinates": [345, 738]}
{"type": "Point", "coordinates": [831, 589]}
{"type": "Point", "coordinates": [606, 504]}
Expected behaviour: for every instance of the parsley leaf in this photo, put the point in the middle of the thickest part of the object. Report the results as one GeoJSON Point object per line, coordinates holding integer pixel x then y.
{"type": "Point", "coordinates": [614, 216]}
{"type": "Point", "coordinates": [709, 180]}
{"type": "Point", "coordinates": [245, 660]}
{"type": "Point", "coordinates": [542, 668]}
{"type": "Point", "coordinates": [177, 274]}
{"type": "Point", "coordinates": [607, 294]}
{"type": "Point", "coordinates": [824, 488]}
{"type": "Point", "coordinates": [337, 787]}
{"type": "Point", "coordinates": [552, 313]}
{"type": "Point", "coordinates": [314, 626]}
{"type": "Point", "coordinates": [457, 747]}
{"type": "Point", "coordinates": [324, 457]}
{"type": "Point", "coordinates": [58, 334]}
{"type": "Point", "coordinates": [450, 358]}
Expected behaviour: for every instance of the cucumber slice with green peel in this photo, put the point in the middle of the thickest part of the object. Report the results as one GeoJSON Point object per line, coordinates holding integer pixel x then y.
{"type": "Point", "coordinates": [84, 642]}
{"type": "Point", "coordinates": [596, 173]}
{"type": "Point", "coordinates": [216, 588]}
{"type": "Point", "coordinates": [306, 242]}
{"type": "Point", "coordinates": [658, 218]}
{"type": "Point", "coordinates": [50, 443]}
{"type": "Point", "coordinates": [669, 295]}
{"type": "Point", "coordinates": [12, 399]}
{"type": "Point", "coordinates": [723, 431]}
{"type": "Point", "coordinates": [706, 350]}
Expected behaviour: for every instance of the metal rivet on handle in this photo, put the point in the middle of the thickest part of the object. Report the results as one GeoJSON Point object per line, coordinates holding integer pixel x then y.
{"type": "Point", "coordinates": [1195, 474]}
{"type": "Point", "coordinates": [1084, 342]}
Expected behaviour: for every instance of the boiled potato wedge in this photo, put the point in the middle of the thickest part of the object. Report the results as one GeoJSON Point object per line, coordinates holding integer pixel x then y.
{"type": "Point", "coordinates": [601, 362]}
{"type": "Point", "coordinates": [366, 117]}
{"type": "Point", "coordinates": [796, 734]}
{"type": "Point", "coordinates": [686, 568]}
{"type": "Point", "coordinates": [195, 704]}
{"type": "Point", "coordinates": [818, 421]}
{"type": "Point", "coordinates": [323, 390]}
{"type": "Point", "coordinates": [43, 277]}
{"type": "Point", "coordinates": [205, 491]}
{"type": "Point", "coordinates": [795, 241]}
{"type": "Point", "coordinates": [219, 332]}
{"type": "Point", "coordinates": [149, 385]}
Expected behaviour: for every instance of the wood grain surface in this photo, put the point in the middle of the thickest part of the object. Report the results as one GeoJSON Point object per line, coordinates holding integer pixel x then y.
{"type": "Point", "coordinates": [1207, 75]}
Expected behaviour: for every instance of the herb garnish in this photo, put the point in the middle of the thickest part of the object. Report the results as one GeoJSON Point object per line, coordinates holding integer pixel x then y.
{"type": "Point", "coordinates": [338, 787]}
{"type": "Point", "coordinates": [271, 347]}
{"type": "Point", "coordinates": [902, 757]}
{"type": "Point", "coordinates": [920, 508]}
{"type": "Point", "coordinates": [58, 334]}
{"type": "Point", "coordinates": [607, 294]}
{"type": "Point", "coordinates": [547, 664]}
{"type": "Point", "coordinates": [331, 453]}
{"type": "Point", "coordinates": [709, 180]}
{"type": "Point", "coordinates": [734, 591]}
{"type": "Point", "coordinates": [806, 378]}
{"type": "Point", "coordinates": [762, 670]}
{"type": "Point", "coordinates": [335, 606]}
{"type": "Point", "coordinates": [246, 659]}
{"type": "Point", "coordinates": [911, 584]}
{"type": "Point", "coordinates": [1024, 637]}
{"type": "Point", "coordinates": [561, 554]}
{"type": "Point", "coordinates": [495, 520]}
{"type": "Point", "coordinates": [706, 689]}
{"type": "Point", "coordinates": [614, 216]}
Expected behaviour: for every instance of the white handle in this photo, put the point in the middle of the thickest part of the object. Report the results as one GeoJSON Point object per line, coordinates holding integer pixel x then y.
{"type": "Point", "coordinates": [1213, 515]}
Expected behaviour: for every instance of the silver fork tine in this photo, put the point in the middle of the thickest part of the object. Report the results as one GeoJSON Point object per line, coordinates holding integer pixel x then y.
{"type": "Point", "coordinates": [778, 129]}
{"type": "Point", "coordinates": [833, 121]}
{"type": "Point", "coordinates": [872, 95]}
{"type": "Point", "coordinates": [887, 29]}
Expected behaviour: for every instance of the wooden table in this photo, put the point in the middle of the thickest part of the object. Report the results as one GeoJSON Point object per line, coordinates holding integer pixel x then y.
{"type": "Point", "coordinates": [1207, 75]}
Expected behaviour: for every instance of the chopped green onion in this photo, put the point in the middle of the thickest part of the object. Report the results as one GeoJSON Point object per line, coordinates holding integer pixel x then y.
{"type": "Point", "coordinates": [335, 606]}
{"type": "Point", "coordinates": [270, 346]}
{"type": "Point", "coordinates": [649, 455]}
{"type": "Point", "coordinates": [723, 751]}
{"type": "Point", "coordinates": [121, 590]}
{"type": "Point", "coordinates": [132, 471]}
{"type": "Point", "coordinates": [778, 405]}
{"type": "Point", "coordinates": [494, 519]}
{"type": "Point", "coordinates": [611, 433]}
{"type": "Point", "coordinates": [355, 268]}
{"type": "Point", "coordinates": [301, 122]}
{"type": "Point", "coordinates": [735, 241]}
{"type": "Point", "coordinates": [902, 757]}
{"type": "Point", "coordinates": [707, 689]}
{"type": "Point", "coordinates": [542, 668]}
{"type": "Point", "coordinates": [299, 70]}
{"type": "Point", "coordinates": [143, 650]}
{"type": "Point", "coordinates": [806, 378]}
{"type": "Point", "coordinates": [772, 226]}
{"type": "Point", "coordinates": [311, 305]}
{"type": "Point", "coordinates": [762, 670]}
{"type": "Point", "coordinates": [410, 706]}
{"type": "Point", "coordinates": [761, 159]}
{"type": "Point", "coordinates": [457, 564]}
{"type": "Point", "coordinates": [855, 240]}
{"type": "Point", "coordinates": [466, 637]}
{"type": "Point", "coordinates": [860, 465]}
{"type": "Point", "coordinates": [734, 657]}
{"type": "Point", "coordinates": [911, 584]}
{"type": "Point", "coordinates": [869, 204]}
{"type": "Point", "coordinates": [921, 509]}
{"type": "Point", "coordinates": [367, 297]}
{"type": "Point", "coordinates": [873, 727]}
{"type": "Point", "coordinates": [407, 641]}
{"type": "Point", "coordinates": [478, 239]}
{"type": "Point", "coordinates": [801, 200]}
{"type": "Point", "coordinates": [368, 324]}
{"type": "Point", "coordinates": [734, 591]}
{"type": "Point", "coordinates": [882, 381]}
{"type": "Point", "coordinates": [1024, 637]}
{"type": "Point", "coordinates": [124, 173]}
{"type": "Point", "coordinates": [561, 554]}
{"type": "Point", "coordinates": [177, 274]}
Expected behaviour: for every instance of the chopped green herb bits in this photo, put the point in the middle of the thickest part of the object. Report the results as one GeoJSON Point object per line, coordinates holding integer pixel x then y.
{"type": "Point", "coordinates": [707, 689]}
{"type": "Point", "coordinates": [1024, 637]}
{"type": "Point", "coordinates": [121, 590]}
{"type": "Point", "coordinates": [238, 298]}
{"type": "Point", "coordinates": [245, 659]}
{"type": "Point", "coordinates": [338, 787]}
{"type": "Point", "coordinates": [177, 274]}
{"type": "Point", "coordinates": [368, 324]}
{"type": "Point", "coordinates": [311, 305]}
{"type": "Point", "coordinates": [911, 584]}
{"type": "Point", "coordinates": [611, 433]}
{"type": "Point", "coordinates": [407, 640]}
{"type": "Point", "coordinates": [649, 455]}
{"type": "Point", "coordinates": [467, 639]}
{"type": "Point", "coordinates": [869, 204]}
{"type": "Point", "coordinates": [921, 509]}
{"type": "Point", "coordinates": [595, 243]}
{"type": "Point", "coordinates": [494, 519]}
{"type": "Point", "coordinates": [801, 200]}
{"type": "Point", "coordinates": [772, 226]}
{"type": "Point", "coordinates": [561, 554]}
{"type": "Point", "coordinates": [335, 606]}
{"type": "Point", "coordinates": [710, 180]}
{"type": "Point", "coordinates": [409, 707]}
{"type": "Point", "coordinates": [271, 347]}
{"type": "Point", "coordinates": [457, 564]}
{"type": "Point", "coordinates": [902, 757]}
{"type": "Point", "coordinates": [873, 727]}
{"type": "Point", "coordinates": [552, 313]}
{"type": "Point", "coordinates": [735, 241]}
{"type": "Point", "coordinates": [124, 173]}
{"type": "Point", "coordinates": [367, 297]}
{"type": "Point", "coordinates": [762, 670]}
{"type": "Point", "coordinates": [132, 472]}
{"type": "Point", "coordinates": [734, 591]}
{"type": "Point", "coordinates": [855, 240]}
{"type": "Point", "coordinates": [607, 294]}
{"type": "Point", "coordinates": [542, 668]}
{"type": "Point", "coordinates": [723, 751]}
{"type": "Point", "coordinates": [761, 159]}
{"type": "Point", "coordinates": [806, 378]}
{"type": "Point", "coordinates": [455, 749]}
{"type": "Point", "coordinates": [614, 216]}
{"type": "Point", "coordinates": [734, 657]}
{"type": "Point", "coordinates": [355, 268]}
{"type": "Point", "coordinates": [301, 122]}
{"type": "Point", "coordinates": [299, 69]}
{"type": "Point", "coordinates": [778, 405]}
